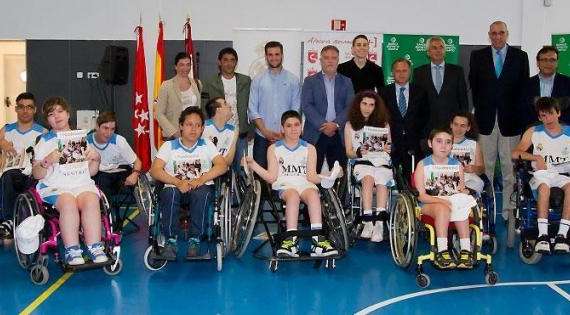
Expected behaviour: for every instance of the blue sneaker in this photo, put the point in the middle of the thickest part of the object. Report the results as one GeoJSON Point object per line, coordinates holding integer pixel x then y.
{"type": "Point", "coordinates": [74, 256]}
{"type": "Point", "coordinates": [97, 253]}
{"type": "Point", "coordinates": [193, 247]}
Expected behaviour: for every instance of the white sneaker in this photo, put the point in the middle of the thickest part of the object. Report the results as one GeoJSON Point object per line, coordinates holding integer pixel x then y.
{"type": "Point", "coordinates": [542, 245]}
{"type": "Point", "coordinates": [367, 230]}
{"type": "Point", "coordinates": [97, 253]}
{"type": "Point", "coordinates": [378, 232]}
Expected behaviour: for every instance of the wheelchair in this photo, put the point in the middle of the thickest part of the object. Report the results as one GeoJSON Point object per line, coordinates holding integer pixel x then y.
{"type": "Point", "coordinates": [29, 204]}
{"type": "Point", "coordinates": [407, 225]}
{"type": "Point", "coordinates": [218, 233]}
{"type": "Point", "coordinates": [272, 219]}
{"type": "Point", "coordinates": [487, 203]}
{"type": "Point", "coordinates": [354, 219]}
{"type": "Point", "coordinates": [524, 217]}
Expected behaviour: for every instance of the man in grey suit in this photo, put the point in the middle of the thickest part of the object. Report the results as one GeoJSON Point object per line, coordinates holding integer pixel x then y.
{"type": "Point", "coordinates": [444, 83]}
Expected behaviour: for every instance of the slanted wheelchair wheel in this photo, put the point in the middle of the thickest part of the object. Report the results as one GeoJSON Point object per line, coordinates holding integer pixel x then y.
{"type": "Point", "coordinates": [528, 255]}
{"type": "Point", "coordinates": [246, 220]}
{"type": "Point", "coordinates": [226, 216]}
{"type": "Point", "coordinates": [152, 263]}
{"type": "Point", "coordinates": [143, 194]}
{"type": "Point", "coordinates": [491, 245]}
{"type": "Point", "coordinates": [39, 274]}
{"type": "Point", "coordinates": [423, 280]}
{"type": "Point", "coordinates": [403, 230]}
{"type": "Point", "coordinates": [25, 206]}
{"type": "Point", "coordinates": [334, 217]}
{"type": "Point", "coordinates": [108, 269]}
{"type": "Point", "coordinates": [219, 256]}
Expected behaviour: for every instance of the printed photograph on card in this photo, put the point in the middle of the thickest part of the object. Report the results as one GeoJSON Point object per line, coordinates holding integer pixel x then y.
{"type": "Point", "coordinates": [72, 146]}
{"type": "Point", "coordinates": [187, 169]}
{"type": "Point", "coordinates": [12, 161]}
{"type": "Point", "coordinates": [463, 155]}
{"type": "Point", "coordinates": [374, 139]}
{"type": "Point", "coordinates": [441, 180]}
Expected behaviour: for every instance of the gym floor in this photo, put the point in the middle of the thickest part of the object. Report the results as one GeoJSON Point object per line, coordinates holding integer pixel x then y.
{"type": "Point", "coordinates": [365, 281]}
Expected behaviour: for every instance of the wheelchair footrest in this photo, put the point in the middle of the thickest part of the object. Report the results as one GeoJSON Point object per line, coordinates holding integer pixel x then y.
{"type": "Point", "coordinates": [88, 265]}
{"type": "Point", "coordinates": [304, 256]}
{"type": "Point", "coordinates": [206, 256]}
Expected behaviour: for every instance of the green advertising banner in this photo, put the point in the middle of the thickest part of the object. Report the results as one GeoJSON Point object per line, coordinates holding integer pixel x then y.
{"type": "Point", "coordinates": [560, 41]}
{"type": "Point", "coordinates": [413, 48]}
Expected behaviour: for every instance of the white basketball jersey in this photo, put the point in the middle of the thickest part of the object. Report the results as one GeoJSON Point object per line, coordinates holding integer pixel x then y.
{"type": "Point", "coordinates": [555, 149]}
{"type": "Point", "coordinates": [22, 140]}
{"type": "Point", "coordinates": [464, 151]}
{"type": "Point", "coordinates": [222, 138]}
{"type": "Point", "coordinates": [292, 163]}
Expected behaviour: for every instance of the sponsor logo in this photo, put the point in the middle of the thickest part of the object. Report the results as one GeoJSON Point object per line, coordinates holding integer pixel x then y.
{"type": "Point", "coordinates": [393, 44]}
{"type": "Point", "coordinates": [312, 56]}
{"type": "Point", "coordinates": [372, 56]}
{"type": "Point", "coordinates": [421, 44]}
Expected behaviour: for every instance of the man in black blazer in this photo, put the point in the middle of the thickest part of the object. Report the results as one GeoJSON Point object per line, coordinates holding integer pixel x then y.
{"type": "Point", "coordinates": [497, 77]}
{"type": "Point", "coordinates": [409, 113]}
{"type": "Point", "coordinates": [444, 84]}
{"type": "Point", "coordinates": [546, 83]}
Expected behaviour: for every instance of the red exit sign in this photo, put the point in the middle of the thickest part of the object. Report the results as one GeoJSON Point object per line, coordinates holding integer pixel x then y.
{"type": "Point", "coordinates": [338, 25]}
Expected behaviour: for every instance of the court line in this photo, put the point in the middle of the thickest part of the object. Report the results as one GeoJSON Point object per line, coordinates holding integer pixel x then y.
{"type": "Point", "coordinates": [408, 296]}
{"type": "Point", "coordinates": [40, 299]}
{"type": "Point", "coordinates": [559, 291]}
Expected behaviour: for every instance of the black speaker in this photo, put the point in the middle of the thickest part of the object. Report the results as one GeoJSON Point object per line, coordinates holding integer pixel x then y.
{"type": "Point", "coordinates": [114, 67]}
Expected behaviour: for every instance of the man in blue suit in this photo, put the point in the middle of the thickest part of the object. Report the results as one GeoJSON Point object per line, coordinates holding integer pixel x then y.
{"type": "Point", "coordinates": [325, 101]}
{"type": "Point", "coordinates": [547, 83]}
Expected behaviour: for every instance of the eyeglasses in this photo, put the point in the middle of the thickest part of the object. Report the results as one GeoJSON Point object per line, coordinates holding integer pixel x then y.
{"type": "Point", "coordinates": [25, 107]}
{"type": "Point", "coordinates": [551, 60]}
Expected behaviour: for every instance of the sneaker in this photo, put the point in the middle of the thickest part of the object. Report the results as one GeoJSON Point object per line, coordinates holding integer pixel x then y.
{"type": "Point", "coordinates": [383, 215]}
{"type": "Point", "coordinates": [560, 244]}
{"type": "Point", "coordinates": [193, 247]}
{"type": "Point", "coordinates": [378, 232]}
{"type": "Point", "coordinates": [465, 261]}
{"type": "Point", "coordinates": [542, 244]}
{"type": "Point", "coordinates": [444, 260]}
{"type": "Point", "coordinates": [97, 253]}
{"type": "Point", "coordinates": [74, 256]}
{"type": "Point", "coordinates": [321, 247]}
{"type": "Point", "coordinates": [170, 250]}
{"type": "Point", "coordinates": [367, 229]}
{"type": "Point", "coordinates": [7, 230]}
{"type": "Point", "coordinates": [289, 247]}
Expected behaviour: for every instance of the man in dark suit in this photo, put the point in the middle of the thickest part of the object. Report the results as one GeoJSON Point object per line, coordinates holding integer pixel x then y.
{"type": "Point", "coordinates": [497, 77]}
{"type": "Point", "coordinates": [444, 84]}
{"type": "Point", "coordinates": [409, 113]}
{"type": "Point", "coordinates": [547, 83]}
{"type": "Point", "coordinates": [325, 101]}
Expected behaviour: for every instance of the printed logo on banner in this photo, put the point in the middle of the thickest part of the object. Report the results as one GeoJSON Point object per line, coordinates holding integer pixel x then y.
{"type": "Point", "coordinates": [562, 45]}
{"type": "Point", "coordinates": [421, 44]}
{"type": "Point", "coordinates": [312, 56]}
{"type": "Point", "coordinates": [393, 44]}
{"type": "Point", "coordinates": [373, 56]}
{"type": "Point", "coordinates": [450, 46]}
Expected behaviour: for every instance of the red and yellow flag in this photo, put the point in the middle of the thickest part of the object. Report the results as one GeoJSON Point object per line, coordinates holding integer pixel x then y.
{"type": "Point", "coordinates": [159, 77]}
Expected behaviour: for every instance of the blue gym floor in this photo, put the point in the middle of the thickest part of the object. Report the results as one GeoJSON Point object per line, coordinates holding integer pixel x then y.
{"type": "Point", "coordinates": [365, 281]}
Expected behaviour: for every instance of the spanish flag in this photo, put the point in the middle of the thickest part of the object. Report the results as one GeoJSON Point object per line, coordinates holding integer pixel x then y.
{"type": "Point", "coordinates": [159, 77]}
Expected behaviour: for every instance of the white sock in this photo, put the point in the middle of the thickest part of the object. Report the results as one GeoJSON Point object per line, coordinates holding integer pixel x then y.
{"type": "Point", "coordinates": [465, 244]}
{"type": "Point", "coordinates": [367, 212]}
{"type": "Point", "coordinates": [564, 225]}
{"type": "Point", "coordinates": [441, 244]}
{"type": "Point", "coordinates": [316, 226]}
{"type": "Point", "coordinates": [378, 210]}
{"type": "Point", "coordinates": [542, 227]}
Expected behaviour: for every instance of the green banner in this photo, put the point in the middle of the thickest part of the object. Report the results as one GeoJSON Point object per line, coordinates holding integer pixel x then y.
{"type": "Point", "coordinates": [413, 48]}
{"type": "Point", "coordinates": [560, 41]}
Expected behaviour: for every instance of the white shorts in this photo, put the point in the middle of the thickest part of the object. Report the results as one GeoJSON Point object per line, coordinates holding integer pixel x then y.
{"type": "Point", "coordinates": [461, 205]}
{"type": "Point", "coordinates": [299, 187]}
{"type": "Point", "coordinates": [473, 181]}
{"type": "Point", "coordinates": [381, 175]}
{"type": "Point", "coordinates": [551, 179]}
{"type": "Point", "coordinates": [50, 194]}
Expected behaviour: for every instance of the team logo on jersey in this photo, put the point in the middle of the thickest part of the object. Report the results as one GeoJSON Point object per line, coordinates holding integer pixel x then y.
{"type": "Point", "coordinates": [539, 147]}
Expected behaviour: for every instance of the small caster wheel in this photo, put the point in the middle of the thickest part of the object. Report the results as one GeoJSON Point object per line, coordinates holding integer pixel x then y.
{"type": "Point", "coordinates": [273, 264]}
{"type": "Point", "coordinates": [150, 262]}
{"type": "Point", "coordinates": [114, 271]}
{"type": "Point", "coordinates": [423, 280]}
{"type": "Point", "coordinates": [491, 278]}
{"type": "Point", "coordinates": [39, 274]}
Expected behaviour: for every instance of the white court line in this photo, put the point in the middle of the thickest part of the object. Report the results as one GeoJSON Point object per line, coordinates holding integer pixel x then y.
{"type": "Point", "coordinates": [559, 291]}
{"type": "Point", "coordinates": [551, 284]}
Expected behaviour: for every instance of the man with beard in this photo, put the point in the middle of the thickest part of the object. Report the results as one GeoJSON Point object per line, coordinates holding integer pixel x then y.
{"type": "Point", "coordinates": [272, 93]}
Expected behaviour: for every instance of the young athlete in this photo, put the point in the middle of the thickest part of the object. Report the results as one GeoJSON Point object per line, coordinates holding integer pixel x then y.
{"type": "Point", "coordinates": [218, 130]}
{"type": "Point", "coordinates": [467, 150]}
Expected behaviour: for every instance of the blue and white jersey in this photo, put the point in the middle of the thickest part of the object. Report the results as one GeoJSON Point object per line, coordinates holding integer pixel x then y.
{"type": "Point", "coordinates": [292, 164]}
{"type": "Point", "coordinates": [22, 140]}
{"type": "Point", "coordinates": [441, 179]}
{"type": "Point", "coordinates": [555, 149]}
{"type": "Point", "coordinates": [113, 153]}
{"type": "Point", "coordinates": [222, 138]}
{"type": "Point", "coordinates": [464, 151]}
{"type": "Point", "coordinates": [185, 162]}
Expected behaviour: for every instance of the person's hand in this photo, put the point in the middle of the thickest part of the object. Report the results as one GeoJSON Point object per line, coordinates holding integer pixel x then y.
{"type": "Point", "coordinates": [183, 185]}
{"type": "Point", "coordinates": [92, 155]}
{"type": "Point", "coordinates": [540, 164]}
{"type": "Point", "coordinates": [469, 168]}
{"type": "Point", "coordinates": [132, 179]}
{"type": "Point", "coordinates": [328, 128]}
{"type": "Point", "coordinates": [196, 182]}
{"type": "Point", "coordinates": [268, 134]}
{"type": "Point", "coordinates": [50, 159]}
{"type": "Point", "coordinates": [388, 148]}
{"type": "Point", "coordinates": [9, 148]}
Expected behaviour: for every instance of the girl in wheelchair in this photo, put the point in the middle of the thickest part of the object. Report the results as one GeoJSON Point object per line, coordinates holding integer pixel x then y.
{"type": "Point", "coordinates": [550, 160]}
{"type": "Point", "coordinates": [73, 193]}
{"type": "Point", "coordinates": [467, 150]}
{"type": "Point", "coordinates": [439, 180]}
{"type": "Point", "coordinates": [292, 172]}
{"type": "Point", "coordinates": [187, 166]}
{"type": "Point", "coordinates": [367, 141]}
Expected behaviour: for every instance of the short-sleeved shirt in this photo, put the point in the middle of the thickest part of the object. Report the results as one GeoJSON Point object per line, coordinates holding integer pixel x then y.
{"type": "Point", "coordinates": [464, 151]}
{"type": "Point", "coordinates": [370, 77]}
{"type": "Point", "coordinates": [185, 162]}
{"type": "Point", "coordinates": [222, 138]}
{"type": "Point", "coordinates": [292, 163]}
{"type": "Point", "coordinates": [555, 149]}
{"type": "Point", "coordinates": [113, 153]}
{"type": "Point", "coordinates": [441, 179]}
{"type": "Point", "coordinates": [22, 140]}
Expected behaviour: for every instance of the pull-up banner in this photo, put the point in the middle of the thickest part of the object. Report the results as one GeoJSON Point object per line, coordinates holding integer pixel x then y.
{"type": "Point", "coordinates": [414, 48]}
{"type": "Point", "coordinates": [561, 42]}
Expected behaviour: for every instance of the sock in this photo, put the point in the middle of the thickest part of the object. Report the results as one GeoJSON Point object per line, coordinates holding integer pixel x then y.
{"type": "Point", "coordinates": [564, 225]}
{"type": "Point", "coordinates": [465, 244]}
{"type": "Point", "coordinates": [380, 209]}
{"type": "Point", "coordinates": [316, 226]}
{"type": "Point", "coordinates": [441, 244]}
{"type": "Point", "coordinates": [542, 227]}
{"type": "Point", "coordinates": [367, 212]}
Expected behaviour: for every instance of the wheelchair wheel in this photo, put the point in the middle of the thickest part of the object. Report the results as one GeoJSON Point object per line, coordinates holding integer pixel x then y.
{"type": "Point", "coordinates": [226, 216]}
{"type": "Point", "coordinates": [246, 219]}
{"type": "Point", "coordinates": [511, 233]}
{"type": "Point", "coordinates": [108, 269]}
{"type": "Point", "coordinates": [25, 206]}
{"type": "Point", "coordinates": [423, 280]}
{"type": "Point", "coordinates": [273, 265]}
{"type": "Point", "coordinates": [403, 230]}
{"type": "Point", "coordinates": [143, 194]}
{"type": "Point", "coordinates": [152, 263]}
{"type": "Point", "coordinates": [528, 255]}
{"type": "Point", "coordinates": [219, 256]}
{"type": "Point", "coordinates": [334, 217]}
{"type": "Point", "coordinates": [39, 274]}
{"type": "Point", "coordinates": [491, 278]}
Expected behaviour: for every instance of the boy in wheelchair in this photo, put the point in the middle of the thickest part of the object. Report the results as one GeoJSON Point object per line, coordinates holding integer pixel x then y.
{"type": "Point", "coordinates": [187, 166]}
{"type": "Point", "coordinates": [550, 160]}
{"type": "Point", "coordinates": [218, 130]}
{"type": "Point", "coordinates": [439, 180]}
{"type": "Point", "coordinates": [292, 172]}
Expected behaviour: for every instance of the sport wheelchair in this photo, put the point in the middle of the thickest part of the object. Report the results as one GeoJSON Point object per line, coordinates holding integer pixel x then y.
{"type": "Point", "coordinates": [29, 204]}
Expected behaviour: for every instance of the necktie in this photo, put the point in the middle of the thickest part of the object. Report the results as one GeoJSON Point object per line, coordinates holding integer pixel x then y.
{"type": "Point", "coordinates": [438, 78]}
{"type": "Point", "coordinates": [402, 106]}
{"type": "Point", "coordinates": [499, 63]}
